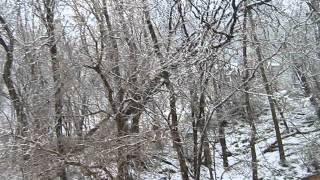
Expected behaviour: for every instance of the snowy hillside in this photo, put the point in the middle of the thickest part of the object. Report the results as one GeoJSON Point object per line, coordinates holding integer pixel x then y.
{"type": "Point", "coordinates": [301, 145]}
{"type": "Point", "coordinates": [159, 89]}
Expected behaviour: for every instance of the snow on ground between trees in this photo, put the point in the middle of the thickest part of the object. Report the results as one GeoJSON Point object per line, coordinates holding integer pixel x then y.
{"type": "Point", "coordinates": [304, 131]}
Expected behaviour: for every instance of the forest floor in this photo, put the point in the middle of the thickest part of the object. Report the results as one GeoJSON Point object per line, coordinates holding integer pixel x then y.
{"type": "Point", "coordinates": [301, 144]}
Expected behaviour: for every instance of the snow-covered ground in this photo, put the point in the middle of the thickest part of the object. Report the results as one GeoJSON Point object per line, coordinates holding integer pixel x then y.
{"type": "Point", "coordinates": [299, 148]}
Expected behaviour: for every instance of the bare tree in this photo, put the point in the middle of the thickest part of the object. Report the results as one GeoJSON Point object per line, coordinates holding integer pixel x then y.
{"type": "Point", "coordinates": [267, 88]}
{"type": "Point", "coordinates": [8, 46]}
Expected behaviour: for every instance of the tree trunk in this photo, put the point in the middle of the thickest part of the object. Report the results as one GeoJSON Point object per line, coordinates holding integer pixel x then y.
{"type": "Point", "coordinates": [122, 161]}
{"type": "Point", "coordinates": [315, 6]}
{"type": "Point", "coordinates": [282, 115]}
{"type": "Point", "coordinates": [249, 111]}
{"type": "Point", "coordinates": [221, 125]}
{"type": "Point", "coordinates": [176, 140]}
{"type": "Point", "coordinates": [84, 110]}
{"type": "Point", "coordinates": [194, 131]}
{"type": "Point", "coordinates": [58, 95]}
{"type": "Point", "coordinates": [205, 146]}
{"type": "Point", "coordinates": [22, 124]}
{"type": "Point", "coordinates": [267, 89]}
{"type": "Point", "coordinates": [207, 155]}
{"type": "Point", "coordinates": [222, 140]}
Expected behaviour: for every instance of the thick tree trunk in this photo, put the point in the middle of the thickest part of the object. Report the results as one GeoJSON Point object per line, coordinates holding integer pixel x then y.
{"type": "Point", "coordinates": [122, 161]}
{"type": "Point", "coordinates": [136, 154]}
{"type": "Point", "coordinates": [267, 89]}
